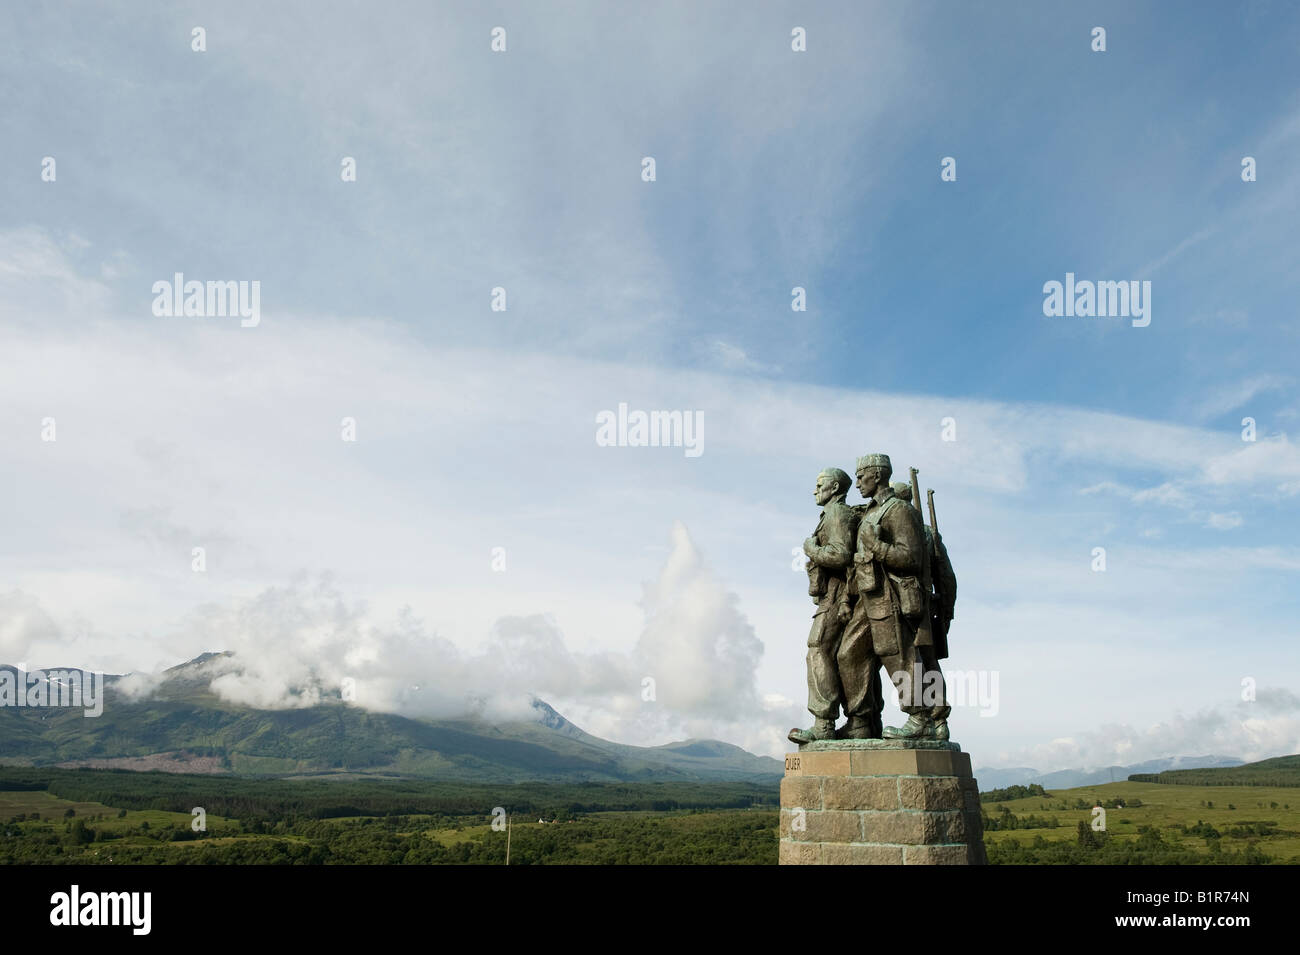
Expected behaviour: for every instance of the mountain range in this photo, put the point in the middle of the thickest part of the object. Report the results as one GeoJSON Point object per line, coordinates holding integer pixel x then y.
{"type": "Point", "coordinates": [182, 726]}
{"type": "Point", "coordinates": [992, 778]}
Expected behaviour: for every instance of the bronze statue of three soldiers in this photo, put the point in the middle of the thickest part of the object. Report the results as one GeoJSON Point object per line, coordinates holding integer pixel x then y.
{"type": "Point", "coordinates": [884, 590]}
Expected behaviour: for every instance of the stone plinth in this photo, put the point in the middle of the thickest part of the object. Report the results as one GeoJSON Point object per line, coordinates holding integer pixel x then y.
{"type": "Point", "coordinates": [880, 802]}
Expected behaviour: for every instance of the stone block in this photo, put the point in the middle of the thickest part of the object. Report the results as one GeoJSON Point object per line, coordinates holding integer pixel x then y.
{"type": "Point", "coordinates": [825, 763]}
{"type": "Point", "coordinates": [908, 762]}
{"type": "Point", "coordinates": [952, 826]}
{"type": "Point", "coordinates": [862, 855]}
{"type": "Point", "coordinates": [783, 824]}
{"type": "Point", "coordinates": [930, 792]}
{"type": "Point", "coordinates": [804, 792]}
{"type": "Point", "coordinates": [935, 855]}
{"type": "Point", "coordinates": [799, 853]}
{"type": "Point", "coordinates": [854, 792]}
{"type": "Point", "coordinates": [898, 828]}
{"type": "Point", "coordinates": [832, 826]}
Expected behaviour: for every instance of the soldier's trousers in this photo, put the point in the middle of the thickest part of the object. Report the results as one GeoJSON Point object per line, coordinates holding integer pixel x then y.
{"type": "Point", "coordinates": [921, 688]}
{"type": "Point", "coordinates": [859, 668]}
{"type": "Point", "coordinates": [825, 694]}
{"type": "Point", "coordinates": [913, 670]}
{"type": "Point", "coordinates": [933, 688]}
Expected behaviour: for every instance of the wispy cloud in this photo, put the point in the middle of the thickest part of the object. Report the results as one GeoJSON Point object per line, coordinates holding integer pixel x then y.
{"type": "Point", "coordinates": [1230, 397]}
{"type": "Point", "coordinates": [1154, 266]}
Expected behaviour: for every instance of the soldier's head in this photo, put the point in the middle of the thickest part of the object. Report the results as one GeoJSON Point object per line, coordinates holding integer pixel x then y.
{"type": "Point", "coordinates": [903, 490]}
{"type": "Point", "coordinates": [874, 471]}
{"type": "Point", "coordinates": [832, 484]}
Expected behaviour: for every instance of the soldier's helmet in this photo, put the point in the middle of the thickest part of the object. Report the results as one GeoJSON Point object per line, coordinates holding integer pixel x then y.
{"type": "Point", "coordinates": [876, 461]}
{"type": "Point", "coordinates": [903, 490]}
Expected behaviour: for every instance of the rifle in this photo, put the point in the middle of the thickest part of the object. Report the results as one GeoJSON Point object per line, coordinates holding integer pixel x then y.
{"type": "Point", "coordinates": [928, 622]}
{"type": "Point", "coordinates": [942, 618]}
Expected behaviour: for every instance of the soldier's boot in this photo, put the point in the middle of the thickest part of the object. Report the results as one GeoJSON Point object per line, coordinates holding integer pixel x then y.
{"type": "Point", "coordinates": [916, 727]}
{"type": "Point", "coordinates": [822, 729]}
{"type": "Point", "coordinates": [857, 727]}
{"type": "Point", "coordinates": [876, 727]}
{"type": "Point", "coordinates": [939, 728]}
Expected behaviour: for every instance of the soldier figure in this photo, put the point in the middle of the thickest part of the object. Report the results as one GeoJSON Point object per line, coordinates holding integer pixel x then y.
{"type": "Point", "coordinates": [890, 619]}
{"type": "Point", "coordinates": [942, 595]}
{"type": "Point", "coordinates": [830, 552]}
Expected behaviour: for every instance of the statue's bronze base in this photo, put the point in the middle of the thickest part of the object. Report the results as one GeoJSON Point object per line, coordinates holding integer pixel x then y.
{"type": "Point", "coordinates": [826, 745]}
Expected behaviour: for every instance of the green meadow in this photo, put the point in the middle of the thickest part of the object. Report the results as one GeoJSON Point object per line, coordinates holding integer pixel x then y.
{"type": "Point", "coordinates": [1203, 822]}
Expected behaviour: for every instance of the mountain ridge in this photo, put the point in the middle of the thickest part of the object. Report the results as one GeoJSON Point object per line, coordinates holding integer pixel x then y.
{"type": "Point", "coordinates": [1000, 778]}
{"type": "Point", "coordinates": [181, 726]}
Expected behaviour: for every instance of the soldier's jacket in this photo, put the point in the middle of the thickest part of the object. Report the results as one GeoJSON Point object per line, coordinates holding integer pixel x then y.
{"type": "Point", "coordinates": [829, 562]}
{"type": "Point", "coordinates": [891, 577]}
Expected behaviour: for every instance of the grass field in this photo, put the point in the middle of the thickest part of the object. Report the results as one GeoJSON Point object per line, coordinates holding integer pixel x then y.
{"type": "Point", "coordinates": [53, 809]}
{"type": "Point", "coordinates": [1165, 807]}
{"type": "Point", "coordinates": [121, 827]}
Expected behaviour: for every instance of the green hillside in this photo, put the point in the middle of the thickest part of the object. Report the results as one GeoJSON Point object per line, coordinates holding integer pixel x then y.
{"type": "Point", "coordinates": [1280, 771]}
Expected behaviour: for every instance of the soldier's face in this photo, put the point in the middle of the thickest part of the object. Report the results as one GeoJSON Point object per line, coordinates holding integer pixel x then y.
{"type": "Point", "coordinates": [867, 482]}
{"type": "Point", "coordinates": [825, 489]}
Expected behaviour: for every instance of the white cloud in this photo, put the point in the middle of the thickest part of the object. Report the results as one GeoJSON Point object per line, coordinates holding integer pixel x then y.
{"type": "Point", "coordinates": [731, 357]}
{"type": "Point", "coordinates": [293, 646]}
{"type": "Point", "coordinates": [23, 621]}
{"type": "Point", "coordinates": [1230, 397]}
{"type": "Point", "coordinates": [1223, 522]}
{"type": "Point", "coordinates": [1242, 731]}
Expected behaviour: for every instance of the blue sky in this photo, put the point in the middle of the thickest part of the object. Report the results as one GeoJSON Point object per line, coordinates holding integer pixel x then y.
{"type": "Point", "coordinates": [774, 169]}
